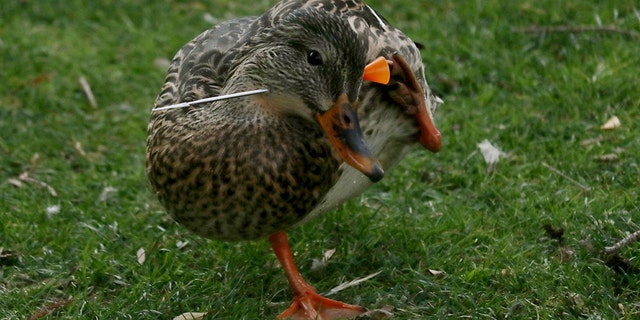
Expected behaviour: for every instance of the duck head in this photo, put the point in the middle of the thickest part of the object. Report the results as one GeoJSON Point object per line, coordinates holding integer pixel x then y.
{"type": "Point", "coordinates": [313, 64]}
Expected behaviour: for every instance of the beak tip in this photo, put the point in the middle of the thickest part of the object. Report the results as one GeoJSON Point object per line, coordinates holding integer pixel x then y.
{"type": "Point", "coordinates": [376, 174]}
{"type": "Point", "coordinates": [432, 144]}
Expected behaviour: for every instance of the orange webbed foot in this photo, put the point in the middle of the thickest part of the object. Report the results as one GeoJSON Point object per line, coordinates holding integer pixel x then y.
{"type": "Point", "coordinates": [307, 303]}
{"type": "Point", "coordinates": [312, 306]}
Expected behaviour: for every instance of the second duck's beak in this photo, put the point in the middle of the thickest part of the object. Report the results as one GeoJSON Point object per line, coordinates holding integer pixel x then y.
{"type": "Point", "coordinates": [340, 123]}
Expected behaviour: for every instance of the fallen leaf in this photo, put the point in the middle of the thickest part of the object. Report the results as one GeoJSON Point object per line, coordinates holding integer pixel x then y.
{"type": "Point", "coordinates": [621, 309]}
{"type": "Point", "coordinates": [328, 254]}
{"type": "Point", "coordinates": [321, 263]}
{"type": "Point", "coordinates": [490, 153]}
{"type": "Point", "coordinates": [612, 123]}
{"type": "Point", "coordinates": [437, 273]}
{"type": "Point", "coordinates": [191, 316]}
{"type": "Point", "coordinates": [141, 255]}
{"type": "Point", "coordinates": [53, 210]}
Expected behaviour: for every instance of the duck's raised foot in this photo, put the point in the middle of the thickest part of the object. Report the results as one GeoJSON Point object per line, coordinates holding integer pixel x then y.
{"type": "Point", "coordinates": [312, 306]}
{"type": "Point", "coordinates": [307, 303]}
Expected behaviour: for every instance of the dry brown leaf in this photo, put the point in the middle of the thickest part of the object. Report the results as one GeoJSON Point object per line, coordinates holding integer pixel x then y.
{"type": "Point", "coordinates": [621, 309]}
{"type": "Point", "coordinates": [437, 273]}
{"type": "Point", "coordinates": [141, 255]}
{"type": "Point", "coordinates": [611, 124]}
{"type": "Point", "coordinates": [321, 263]}
{"type": "Point", "coordinates": [328, 254]}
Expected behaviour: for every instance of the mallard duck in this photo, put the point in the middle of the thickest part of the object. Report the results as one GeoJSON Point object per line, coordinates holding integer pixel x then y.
{"type": "Point", "coordinates": [254, 166]}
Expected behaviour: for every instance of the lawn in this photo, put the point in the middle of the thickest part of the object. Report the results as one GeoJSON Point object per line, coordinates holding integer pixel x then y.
{"type": "Point", "coordinates": [450, 237]}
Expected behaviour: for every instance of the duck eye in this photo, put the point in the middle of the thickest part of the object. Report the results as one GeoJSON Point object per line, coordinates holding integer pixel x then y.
{"type": "Point", "coordinates": [314, 58]}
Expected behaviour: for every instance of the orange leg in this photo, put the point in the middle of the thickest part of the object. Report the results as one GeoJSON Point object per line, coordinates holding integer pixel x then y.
{"type": "Point", "coordinates": [307, 303]}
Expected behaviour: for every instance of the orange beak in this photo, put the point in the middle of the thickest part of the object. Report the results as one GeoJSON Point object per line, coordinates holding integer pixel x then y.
{"type": "Point", "coordinates": [377, 71]}
{"type": "Point", "coordinates": [340, 124]}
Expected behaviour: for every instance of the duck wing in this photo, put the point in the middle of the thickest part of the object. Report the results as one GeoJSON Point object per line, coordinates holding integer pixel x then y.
{"type": "Point", "coordinates": [202, 66]}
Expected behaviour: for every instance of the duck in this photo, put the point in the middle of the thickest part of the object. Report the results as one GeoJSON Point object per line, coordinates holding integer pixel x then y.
{"type": "Point", "coordinates": [254, 166]}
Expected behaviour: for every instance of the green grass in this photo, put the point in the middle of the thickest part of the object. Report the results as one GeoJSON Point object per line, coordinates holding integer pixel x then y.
{"type": "Point", "coordinates": [536, 96]}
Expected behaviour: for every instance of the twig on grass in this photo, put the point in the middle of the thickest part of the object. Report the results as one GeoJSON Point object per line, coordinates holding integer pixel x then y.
{"type": "Point", "coordinates": [612, 258]}
{"type": "Point", "coordinates": [87, 91]}
{"type": "Point", "coordinates": [558, 172]}
{"type": "Point", "coordinates": [351, 283]}
{"type": "Point", "coordinates": [629, 239]}
{"type": "Point", "coordinates": [537, 29]}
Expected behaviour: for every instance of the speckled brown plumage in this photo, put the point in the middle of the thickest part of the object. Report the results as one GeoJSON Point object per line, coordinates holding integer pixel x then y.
{"type": "Point", "coordinates": [243, 168]}
{"type": "Point", "coordinates": [233, 183]}
{"type": "Point", "coordinates": [252, 167]}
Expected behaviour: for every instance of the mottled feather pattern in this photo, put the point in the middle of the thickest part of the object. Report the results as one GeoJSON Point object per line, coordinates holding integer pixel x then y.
{"type": "Point", "coordinates": [226, 184]}
{"type": "Point", "coordinates": [253, 166]}
{"type": "Point", "coordinates": [224, 187]}
{"type": "Point", "coordinates": [382, 40]}
{"type": "Point", "coordinates": [233, 171]}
